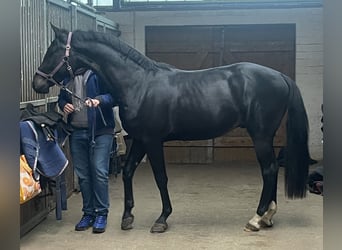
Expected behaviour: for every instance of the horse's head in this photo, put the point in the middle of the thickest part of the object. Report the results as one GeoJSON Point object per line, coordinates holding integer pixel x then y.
{"type": "Point", "coordinates": [56, 64]}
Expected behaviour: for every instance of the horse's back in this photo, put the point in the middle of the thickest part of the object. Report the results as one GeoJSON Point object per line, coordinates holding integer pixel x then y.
{"type": "Point", "coordinates": [237, 85]}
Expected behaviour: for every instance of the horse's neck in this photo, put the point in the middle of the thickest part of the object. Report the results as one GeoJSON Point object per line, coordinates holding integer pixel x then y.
{"type": "Point", "coordinates": [122, 75]}
{"type": "Point", "coordinates": [112, 65]}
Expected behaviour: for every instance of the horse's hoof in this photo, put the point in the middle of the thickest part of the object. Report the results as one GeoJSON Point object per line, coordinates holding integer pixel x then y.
{"type": "Point", "coordinates": [266, 219]}
{"type": "Point", "coordinates": [127, 223]}
{"type": "Point", "coordinates": [251, 228]}
{"type": "Point", "coordinates": [159, 228]}
{"type": "Point", "coordinates": [266, 223]}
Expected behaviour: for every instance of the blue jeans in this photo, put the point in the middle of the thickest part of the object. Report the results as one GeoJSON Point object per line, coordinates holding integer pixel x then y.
{"type": "Point", "coordinates": [91, 164]}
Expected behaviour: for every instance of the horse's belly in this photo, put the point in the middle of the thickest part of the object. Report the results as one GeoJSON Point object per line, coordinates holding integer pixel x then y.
{"type": "Point", "coordinates": [202, 131]}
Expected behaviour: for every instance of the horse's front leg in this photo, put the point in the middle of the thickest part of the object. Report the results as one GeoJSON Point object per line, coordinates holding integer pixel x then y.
{"type": "Point", "coordinates": [135, 156]}
{"type": "Point", "coordinates": [156, 156]}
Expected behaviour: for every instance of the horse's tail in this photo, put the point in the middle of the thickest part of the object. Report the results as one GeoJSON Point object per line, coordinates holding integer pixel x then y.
{"type": "Point", "coordinates": [297, 151]}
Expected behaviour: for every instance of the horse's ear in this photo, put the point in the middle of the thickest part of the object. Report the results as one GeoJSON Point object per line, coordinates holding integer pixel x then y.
{"type": "Point", "coordinates": [55, 29]}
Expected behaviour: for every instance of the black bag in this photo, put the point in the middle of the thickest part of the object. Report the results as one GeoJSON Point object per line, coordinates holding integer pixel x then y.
{"type": "Point", "coordinates": [315, 181]}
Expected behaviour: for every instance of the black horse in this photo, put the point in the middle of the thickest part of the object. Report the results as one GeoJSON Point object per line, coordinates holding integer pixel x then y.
{"type": "Point", "coordinates": [159, 103]}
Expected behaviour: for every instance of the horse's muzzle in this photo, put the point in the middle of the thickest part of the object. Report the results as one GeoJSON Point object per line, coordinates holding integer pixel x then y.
{"type": "Point", "coordinates": [40, 84]}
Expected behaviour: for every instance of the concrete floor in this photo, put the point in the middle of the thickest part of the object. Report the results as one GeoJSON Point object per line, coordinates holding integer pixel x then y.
{"type": "Point", "coordinates": [211, 205]}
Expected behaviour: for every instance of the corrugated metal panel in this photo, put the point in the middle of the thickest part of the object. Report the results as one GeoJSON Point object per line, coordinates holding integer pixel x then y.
{"type": "Point", "coordinates": [59, 16]}
{"type": "Point", "coordinates": [85, 20]}
{"type": "Point", "coordinates": [32, 14]}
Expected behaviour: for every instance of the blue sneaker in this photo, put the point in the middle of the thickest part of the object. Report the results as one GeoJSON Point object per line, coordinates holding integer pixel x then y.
{"type": "Point", "coordinates": [85, 222]}
{"type": "Point", "coordinates": [100, 223]}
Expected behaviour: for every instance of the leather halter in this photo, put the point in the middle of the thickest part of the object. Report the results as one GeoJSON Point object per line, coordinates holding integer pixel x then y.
{"type": "Point", "coordinates": [64, 61]}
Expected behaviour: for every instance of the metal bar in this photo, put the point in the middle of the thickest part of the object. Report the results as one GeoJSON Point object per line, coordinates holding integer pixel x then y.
{"type": "Point", "coordinates": [60, 3]}
{"type": "Point", "coordinates": [183, 5]}
{"type": "Point", "coordinates": [86, 11]}
{"type": "Point", "coordinates": [40, 102]}
{"type": "Point", "coordinates": [106, 21]}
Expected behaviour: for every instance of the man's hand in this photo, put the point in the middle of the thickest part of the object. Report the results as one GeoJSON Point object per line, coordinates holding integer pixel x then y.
{"type": "Point", "coordinates": [92, 102]}
{"type": "Point", "coordinates": [68, 108]}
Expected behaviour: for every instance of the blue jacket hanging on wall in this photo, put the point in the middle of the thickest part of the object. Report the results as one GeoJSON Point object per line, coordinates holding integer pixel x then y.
{"type": "Point", "coordinates": [42, 151]}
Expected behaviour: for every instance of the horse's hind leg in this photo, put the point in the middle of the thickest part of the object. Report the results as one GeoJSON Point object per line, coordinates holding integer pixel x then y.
{"type": "Point", "coordinates": [269, 169]}
{"type": "Point", "coordinates": [136, 154]}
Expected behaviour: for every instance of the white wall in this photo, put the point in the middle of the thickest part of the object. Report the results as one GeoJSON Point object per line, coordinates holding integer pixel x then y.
{"type": "Point", "coordinates": [309, 45]}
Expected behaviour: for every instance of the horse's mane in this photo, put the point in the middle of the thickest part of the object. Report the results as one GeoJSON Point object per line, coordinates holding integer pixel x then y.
{"type": "Point", "coordinates": [121, 47]}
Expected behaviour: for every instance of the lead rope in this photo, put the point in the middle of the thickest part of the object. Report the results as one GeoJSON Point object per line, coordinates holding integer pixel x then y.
{"type": "Point", "coordinates": [93, 117]}
{"type": "Point", "coordinates": [92, 143]}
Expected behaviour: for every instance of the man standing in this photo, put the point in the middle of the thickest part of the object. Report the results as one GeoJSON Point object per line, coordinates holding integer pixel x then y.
{"type": "Point", "coordinates": [91, 142]}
